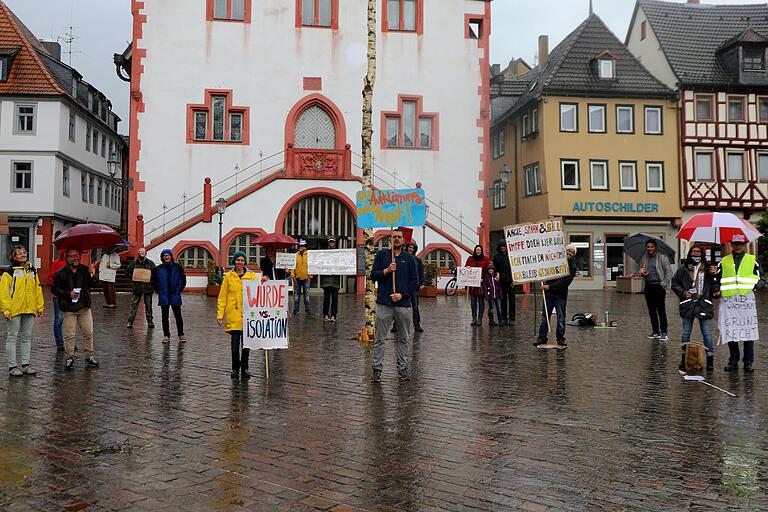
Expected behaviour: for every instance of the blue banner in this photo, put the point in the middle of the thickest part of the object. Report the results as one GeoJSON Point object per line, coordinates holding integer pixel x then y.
{"type": "Point", "coordinates": [389, 208]}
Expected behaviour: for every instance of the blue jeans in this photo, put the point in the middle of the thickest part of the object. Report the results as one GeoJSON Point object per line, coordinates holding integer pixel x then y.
{"type": "Point", "coordinates": [58, 321]}
{"type": "Point", "coordinates": [478, 302]}
{"type": "Point", "coordinates": [300, 286]}
{"type": "Point", "coordinates": [559, 304]}
{"type": "Point", "coordinates": [494, 303]}
{"type": "Point", "coordinates": [706, 333]}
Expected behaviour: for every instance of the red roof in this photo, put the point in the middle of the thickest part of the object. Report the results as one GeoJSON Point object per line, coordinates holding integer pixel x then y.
{"type": "Point", "coordinates": [29, 75]}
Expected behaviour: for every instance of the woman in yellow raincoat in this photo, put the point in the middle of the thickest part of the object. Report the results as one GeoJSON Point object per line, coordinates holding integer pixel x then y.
{"type": "Point", "coordinates": [229, 312]}
{"type": "Point", "coordinates": [21, 300]}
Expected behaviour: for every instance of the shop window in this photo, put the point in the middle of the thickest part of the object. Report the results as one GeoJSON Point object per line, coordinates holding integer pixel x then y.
{"type": "Point", "coordinates": [628, 176]}
{"type": "Point", "coordinates": [532, 180]}
{"type": "Point", "coordinates": [653, 123]}
{"type": "Point", "coordinates": [410, 127]}
{"type": "Point", "coordinates": [569, 174]}
{"type": "Point", "coordinates": [195, 257]}
{"type": "Point", "coordinates": [596, 114]}
{"type": "Point", "coordinates": [598, 174]}
{"type": "Point", "coordinates": [625, 119]}
{"type": "Point", "coordinates": [654, 174]}
{"type": "Point", "coordinates": [704, 165]}
{"type": "Point", "coordinates": [583, 257]}
{"type": "Point", "coordinates": [762, 168]}
{"type": "Point", "coordinates": [569, 114]}
{"type": "Point", "coordinates": [736, 108]}
{"type": "Point", "coordinates": [444, 259]}
{"type": "Point", "coordinates": [246, 243]}
{"type": "Point", "coordinates": [735, 170]}
{"type": "Point", "coordinates": [704, 108]}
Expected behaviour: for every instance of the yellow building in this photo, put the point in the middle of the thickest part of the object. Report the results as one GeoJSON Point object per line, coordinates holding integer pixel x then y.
{"type": "Point", "coordinates": [590, 136]}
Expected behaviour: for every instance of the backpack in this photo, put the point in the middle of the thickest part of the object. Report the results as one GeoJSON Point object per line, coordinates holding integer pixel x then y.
{"type": "Point", "coordinates": [583, 320]}
{"type": "Point", "coordinates": [695, 356]}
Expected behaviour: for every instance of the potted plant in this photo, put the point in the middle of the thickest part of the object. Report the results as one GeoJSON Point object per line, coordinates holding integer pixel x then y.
{"type": "Point", "coordinates": [430, 280]}
{"type": "Point", "coordinates": [214, 280]}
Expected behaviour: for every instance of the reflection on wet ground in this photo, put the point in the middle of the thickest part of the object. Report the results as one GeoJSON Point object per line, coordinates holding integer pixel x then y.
{"type": "Point", "coordinates": [488, 422]}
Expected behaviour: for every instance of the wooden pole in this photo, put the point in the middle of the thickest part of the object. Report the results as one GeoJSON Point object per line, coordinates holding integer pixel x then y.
{"type": "Point", "coordinates": [266, 362]}
{"type": "Point", "coordinates": [392, 246]}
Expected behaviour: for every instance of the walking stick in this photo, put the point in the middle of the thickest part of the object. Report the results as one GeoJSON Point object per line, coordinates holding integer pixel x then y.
{"type": "Point", "coordinates": [266, 362]}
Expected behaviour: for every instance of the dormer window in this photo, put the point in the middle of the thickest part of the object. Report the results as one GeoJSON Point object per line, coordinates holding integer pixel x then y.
{"type": "Point", "coordinates": [6, 61]}
{"type": "Point", "coordinates": [4, 69]}
{"type": "Point", "coordinates": [754, 58]}
{"type": "Point", "coordinates": [606, 68]}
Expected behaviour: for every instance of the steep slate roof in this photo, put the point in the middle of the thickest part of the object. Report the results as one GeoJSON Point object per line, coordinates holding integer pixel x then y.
{"type": "Point", "coordinates": [569, 70]}
{"type": "Point", "coordinates": [29, 75]}
{"type": "Point", "coordinates": [690, 34]}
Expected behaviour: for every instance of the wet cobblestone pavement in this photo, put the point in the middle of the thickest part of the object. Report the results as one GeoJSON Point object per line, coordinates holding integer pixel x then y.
{"type": "Point", "coordinates": [488, 422]}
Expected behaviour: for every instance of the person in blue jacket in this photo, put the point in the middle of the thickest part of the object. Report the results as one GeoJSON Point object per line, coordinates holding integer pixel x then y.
{"type": "Point", "coordinates": [169, 282]}
{"type": "Point", "coordinates": [394, 305]}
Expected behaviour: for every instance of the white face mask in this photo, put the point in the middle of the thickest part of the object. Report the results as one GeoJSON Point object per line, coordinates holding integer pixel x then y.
{"type": "Point", "coordinates": [696, 259]}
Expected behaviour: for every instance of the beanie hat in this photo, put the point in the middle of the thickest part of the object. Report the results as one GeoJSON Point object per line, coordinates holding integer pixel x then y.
{"type": "Point", "coordinates": [237, 255]}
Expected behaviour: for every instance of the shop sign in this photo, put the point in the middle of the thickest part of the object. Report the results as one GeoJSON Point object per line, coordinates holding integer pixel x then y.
{"type": "Point", "coordinates": [614, 207]}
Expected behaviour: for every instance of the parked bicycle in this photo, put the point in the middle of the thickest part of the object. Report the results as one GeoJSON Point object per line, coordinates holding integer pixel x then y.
{"type": "Point", "coordinates": [450, 286]}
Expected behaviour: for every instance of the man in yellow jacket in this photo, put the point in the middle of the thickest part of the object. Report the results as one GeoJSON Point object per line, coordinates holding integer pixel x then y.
{"type": "Point", "coordinates": [21, 300]}
{"type": "Point", "coordinates": [301, 278]}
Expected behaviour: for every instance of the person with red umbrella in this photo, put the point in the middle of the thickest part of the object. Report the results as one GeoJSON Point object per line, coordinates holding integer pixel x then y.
{"type": "Point", "coordinates": [72, 285]}
{"type": "Point", "coordinates": [740, 274]}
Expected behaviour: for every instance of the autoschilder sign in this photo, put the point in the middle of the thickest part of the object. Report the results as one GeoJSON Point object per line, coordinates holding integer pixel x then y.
{"type": "Point", "coordinates": [614, 207]}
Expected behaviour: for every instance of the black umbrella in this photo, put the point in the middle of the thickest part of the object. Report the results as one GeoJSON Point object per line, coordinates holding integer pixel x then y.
{"type": "Point", "coordinates": [634, 246]}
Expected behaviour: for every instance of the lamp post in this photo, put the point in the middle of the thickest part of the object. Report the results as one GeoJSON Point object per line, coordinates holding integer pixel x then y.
{"type": "Point", "coordinates": [113, 165]}
{"type": "Point", "coordinates": [221, 207]}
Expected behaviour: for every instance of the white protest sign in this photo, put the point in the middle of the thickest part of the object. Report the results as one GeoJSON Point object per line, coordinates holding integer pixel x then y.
{"type": "Point", "coordinates": [537, 251]}
{"type": "Point", "coordinates": [737, 319]}
{"type": "Point", "coordinates": [332, 262]}
{"type": "Point", "coordinates": [265, 314]}
{"type": "Point", "coordinates": [286, 260]}
{"type": "Point", "coordinates": [469, 276]}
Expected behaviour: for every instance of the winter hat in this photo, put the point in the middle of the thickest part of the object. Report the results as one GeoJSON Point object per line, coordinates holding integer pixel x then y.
{"type": "Point", "coordinates": [164, 252]}
{"type": "Point", "coordinates": [237, 255]}
{"type": "Point", "coordinates": [571, 247]}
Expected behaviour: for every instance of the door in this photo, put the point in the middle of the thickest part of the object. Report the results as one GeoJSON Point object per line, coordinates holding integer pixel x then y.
{"type": "Point", "coordinates": [315, 130]}
{"type": "Point", "coordinates": [614, 257]}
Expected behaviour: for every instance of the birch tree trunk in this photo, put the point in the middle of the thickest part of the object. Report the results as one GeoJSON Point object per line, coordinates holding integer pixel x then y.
{"type": "Point", "coordinates": [367, 135]}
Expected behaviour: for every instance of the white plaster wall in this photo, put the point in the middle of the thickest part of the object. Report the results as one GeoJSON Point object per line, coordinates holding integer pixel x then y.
{"type": "Point", "coordinates": [264, 63]}
{"type": "Point", "coordinates": [648, 51]}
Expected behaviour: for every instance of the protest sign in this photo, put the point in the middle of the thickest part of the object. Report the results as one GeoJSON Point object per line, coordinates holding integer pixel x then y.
{"type": "Point", "coordinates": [332, 262]}
{"type": "Point", "coordinates": [265, 314]}
{"type": "Point", "coordinates": [469, 276]}
{"type": "Point", "coordinates": [737, 319]}
{"type": "Point", "coordinates": [388, 208]}
{"type": "Point", "coordinates": [537, 251]}
{"type": "Point", "coordinates": [286, 260]}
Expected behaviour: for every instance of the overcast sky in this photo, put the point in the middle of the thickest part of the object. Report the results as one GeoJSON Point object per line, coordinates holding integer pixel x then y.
{"type": "Point", "coordinates": [103, 27]}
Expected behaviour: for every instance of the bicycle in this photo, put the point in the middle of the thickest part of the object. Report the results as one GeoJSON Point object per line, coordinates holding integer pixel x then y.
{"type": "Point", "coordinates": [450, 286]}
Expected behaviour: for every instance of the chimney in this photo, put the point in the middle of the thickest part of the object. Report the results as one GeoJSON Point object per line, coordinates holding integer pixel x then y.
{"type": "Point", "coordinates": [53, 48]}
{"type": "Point", "coordinates": [543, 51]}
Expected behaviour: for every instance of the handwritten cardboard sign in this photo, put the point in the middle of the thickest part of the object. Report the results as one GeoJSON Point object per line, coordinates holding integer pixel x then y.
{"type": "Point", "coordinates": [265, 315]}
{"type": "Point", "coordinates": [286, 260]}
{"type": "Point", "coordinates": [387, 208]}
{"type": "Point", "coordinates": [332, 262]}
{"type": "Point", "coordinates": [537, 251]}
{"type": "Point", "coordinates": [469, 276]}
{"type": "Point", "coordinates": [737, 319]}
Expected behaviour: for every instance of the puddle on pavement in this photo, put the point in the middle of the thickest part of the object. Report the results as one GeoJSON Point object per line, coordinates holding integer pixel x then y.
{"type": "Point", "coordinates": [740, 474]}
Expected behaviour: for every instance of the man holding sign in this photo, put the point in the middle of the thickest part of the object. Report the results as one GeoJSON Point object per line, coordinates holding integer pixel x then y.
{"type": "Point", "coordinates": [556, 296]}
{"type": "Point", "coordinates": [397, 276]}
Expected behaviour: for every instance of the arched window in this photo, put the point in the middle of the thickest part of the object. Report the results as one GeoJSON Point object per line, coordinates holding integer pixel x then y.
{"type": "Point", "coordinates": [247, 244]}
{"type": "Point", "coordinates": [444, 260]}
{"type": "Point", "coordinates": [195, 257]}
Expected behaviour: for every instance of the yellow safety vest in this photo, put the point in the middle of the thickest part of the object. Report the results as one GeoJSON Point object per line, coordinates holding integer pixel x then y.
{"type": "Point", "coordinates": [741, 283]}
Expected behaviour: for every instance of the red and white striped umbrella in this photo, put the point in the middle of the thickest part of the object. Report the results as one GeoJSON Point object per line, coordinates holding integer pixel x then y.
{"type": "Point", "coordinates": [717, 228]}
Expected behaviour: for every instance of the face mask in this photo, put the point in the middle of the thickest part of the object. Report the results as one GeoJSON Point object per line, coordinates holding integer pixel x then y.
{"type": "Point", "coordinates": [696, 259]}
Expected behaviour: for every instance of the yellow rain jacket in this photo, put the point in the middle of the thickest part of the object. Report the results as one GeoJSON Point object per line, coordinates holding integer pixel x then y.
{"type": "Point", "coordinates": [20, 292]}
{"type": "Point", "coordinates": [230, 302]}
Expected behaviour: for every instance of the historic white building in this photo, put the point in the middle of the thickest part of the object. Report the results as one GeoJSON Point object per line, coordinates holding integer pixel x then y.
{"type": "Point", "coordinates": [260, 103]}
{"type": "Point", "coordinates": [57, 133]}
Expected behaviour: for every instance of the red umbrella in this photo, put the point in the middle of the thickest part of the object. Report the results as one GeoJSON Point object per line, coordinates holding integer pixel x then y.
{"type": "Point", "coordinates": [85, 237]}
{"type": "Point", "coordinates": [276, 241]}
{"type": "Point", "coordinates": [717, 228]}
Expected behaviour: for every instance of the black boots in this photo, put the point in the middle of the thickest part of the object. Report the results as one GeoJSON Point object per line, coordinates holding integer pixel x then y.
{"type": "Point", "coordinates": [710, 363]}
{"type": "Point", "coordinates": [490, 319]}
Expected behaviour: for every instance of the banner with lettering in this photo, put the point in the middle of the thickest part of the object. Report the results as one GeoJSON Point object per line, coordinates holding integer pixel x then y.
{"type": "Point", "coordinates": [265, 314]}
{"type": "Point", "coordinates": [737, 319]}
{"type": "Point", "coordinates": [388, 208]}
{"type": "Point", "coordinates": [286, 260]}
{"type": "Point", "coordinates": [332, 262]}
{"type": "Point", "coordinates": [537, 251]}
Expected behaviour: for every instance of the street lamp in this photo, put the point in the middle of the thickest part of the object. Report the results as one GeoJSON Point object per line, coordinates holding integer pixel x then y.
{"type": "Point", "coordinates": [221, 207]}
{"type": "Point", "coordinates": [113, 165]}
{"type": "Point", "coordinates": [504, 174]}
